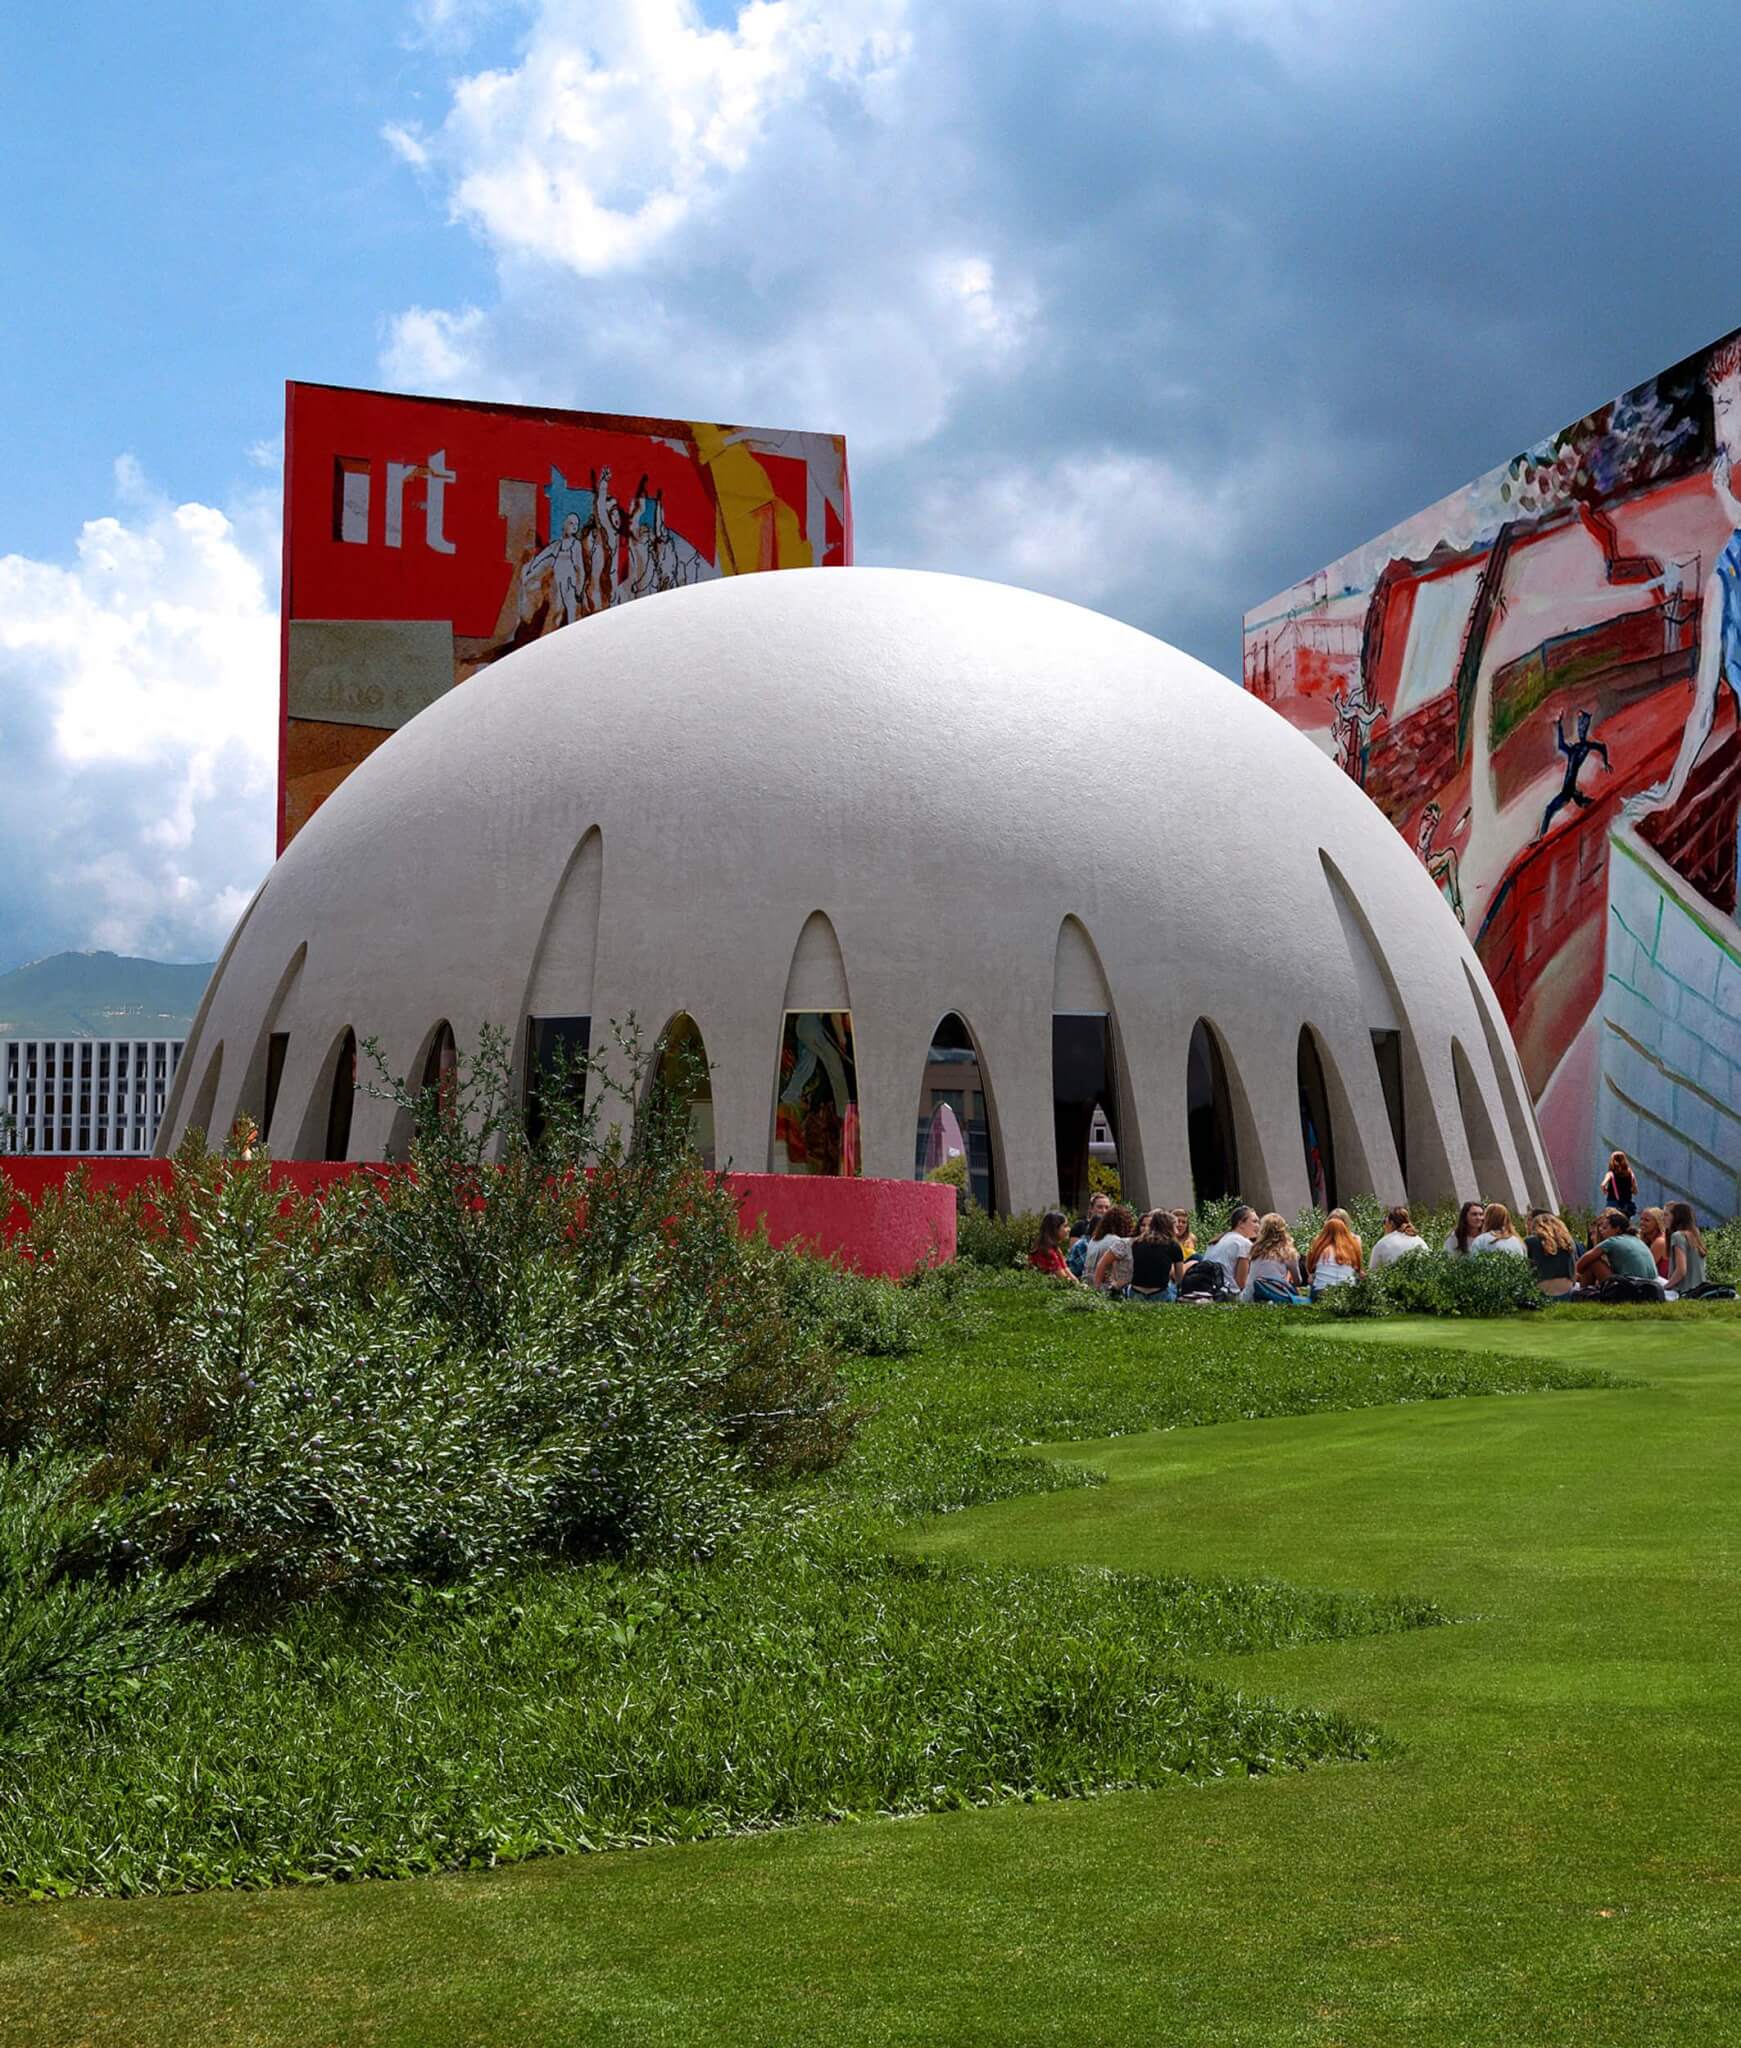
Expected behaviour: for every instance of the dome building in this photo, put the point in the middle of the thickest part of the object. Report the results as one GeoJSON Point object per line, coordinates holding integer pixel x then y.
{"type": "Point", "coordinates": [848, 833]}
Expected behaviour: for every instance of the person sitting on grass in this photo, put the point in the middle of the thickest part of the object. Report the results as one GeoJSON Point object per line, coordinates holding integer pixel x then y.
{"type": "Point", "coordinates": [1109, 1255]}
{"type": "Point", "coordinates": [1471, 1221]}
{"type": "Point", "coordinates": [1496, 1233]}
{"type": "Point", "coordinates": [1157, 1259]}
{"type": "Point", "coordinates": [1334, 1259]}
{"type": "Point", "coordinates": [1686, 1248]}
{"type": "Point", "coordinates": [1654, 1238]}
{"type": "Point", "coordinates": [1183, 1235]}
{"type": "Point", "coordinates": [1274, 1273]}
{"type": "Point", "coordinates": [1048, 1255]}
{"type": "Point", "coordinates": [1231, 1251]}
{"type": "Point", "coordinates": [1616, 1253]}
{"type": "Point", "coordinates": [1553, 1258]}
{"type": "Point", "coordinates": [1083, 1236]}
{"type": "Point", "coordinates": [1400, 1237]}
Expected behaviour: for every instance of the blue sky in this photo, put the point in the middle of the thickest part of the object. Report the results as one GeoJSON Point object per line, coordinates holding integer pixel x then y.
{"type": "Point", "coordinates": [1154, 303]}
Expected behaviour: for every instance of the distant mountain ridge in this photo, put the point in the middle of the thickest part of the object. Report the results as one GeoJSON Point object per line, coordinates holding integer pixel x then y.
{"type": "Point", "coordinates": [101, 995]}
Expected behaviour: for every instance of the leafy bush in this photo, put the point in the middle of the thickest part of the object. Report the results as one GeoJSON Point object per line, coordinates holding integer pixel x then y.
{"type": "Point", "coordinates": [79, 1608]}
{"type": "Point", "coordinates": [1723, 1251]}
{"type": "Point", "coordinates": [558, 1345]}
{"type": "Point", "coordinates": [1433, 1283]}
{"type": "Point", "coordinates": [1105, 1179]}
{"type": "Point", "coordinates": [996, 1241]}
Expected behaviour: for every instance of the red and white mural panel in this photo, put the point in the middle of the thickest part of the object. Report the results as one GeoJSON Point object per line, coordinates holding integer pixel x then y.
{"type": "Point", "coordinates": [1540, 668]}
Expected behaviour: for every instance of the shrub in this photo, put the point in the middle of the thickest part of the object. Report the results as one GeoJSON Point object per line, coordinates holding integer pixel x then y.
{"type": "Point", "coordinates": [1105, 1179]}
{"type": "Point", "coordinates": [997, 1241]}
{"type": "Point", "coordinates": [557, 1344]}
{"type": "Point", "coordinates": [1433, 1283]}
{"type": "Point", "coordinates": [1723, 1251]}
{"type": "Point", "coordinates": [77, 1607]}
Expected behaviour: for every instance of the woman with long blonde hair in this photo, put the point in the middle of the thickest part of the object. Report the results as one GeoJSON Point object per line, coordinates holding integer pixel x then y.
{"type": "Point", "coordinates": [1497, 1234]}
{"type": "Point", "coordinates": [1275, 1263]}
{"type": "Point", "coordinates": [1553, 1257]}
{"type": "Point", "coordinates": [1654, 1238]}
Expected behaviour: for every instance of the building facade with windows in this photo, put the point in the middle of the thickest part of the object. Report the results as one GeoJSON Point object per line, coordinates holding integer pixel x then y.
{"type": "Point", "coordinates": [97, 1095]}
{"type": "Point", "coordinates": [872, 848]}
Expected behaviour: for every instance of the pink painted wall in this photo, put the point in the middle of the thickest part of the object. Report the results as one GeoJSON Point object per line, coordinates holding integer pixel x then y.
{"type": "Point", "coordinates": [882, 1227]}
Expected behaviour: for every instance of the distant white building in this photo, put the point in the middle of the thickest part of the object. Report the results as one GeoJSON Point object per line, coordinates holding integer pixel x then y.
{"type": "Point", "coordinates": [84, 1094]}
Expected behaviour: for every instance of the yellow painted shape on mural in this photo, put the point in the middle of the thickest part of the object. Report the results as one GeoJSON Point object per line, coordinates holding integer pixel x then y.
{"type": "Point", "coordinates": [756, 528]}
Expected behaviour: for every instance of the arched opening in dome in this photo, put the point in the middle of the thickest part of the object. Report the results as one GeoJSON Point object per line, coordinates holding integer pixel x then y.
{"type": "Point", "coordinates": [259, 1092]}
{"type": "Point", "coordinates": [1317, 1126]}
{"type": "Point", "coordinates": [680, 1068]}
{"type": "Point", "coordinates": [955, 1121]}
{"type": "Point", "coordinates": [1086, 1103]}
{"type": "Point", "coordinates": [1209, 1121]}
{"type": "Point", "coordinates": [199, 1117]}
{"type": "Point", "coordinates": [437, 1070]}
{"type": "Point", "coordinates": [341, 1097]}
{"type": "Point", "coordinates": [1491, 1178]}
{"type": "Point", "coordinates": [1415, 1128]}
{"type": "Point", "coordinates": [816, 1113]}
{"type": "Point", "coordinates": [558, 1003]}
{"type": "Point", "coordinates": [1523, 1134]}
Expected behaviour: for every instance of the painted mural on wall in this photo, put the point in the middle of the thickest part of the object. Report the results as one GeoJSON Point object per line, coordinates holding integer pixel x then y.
{"type": "Point", "coordinates": [426, 538]}
{"type": "Point", "coordinates": [1531, 677]}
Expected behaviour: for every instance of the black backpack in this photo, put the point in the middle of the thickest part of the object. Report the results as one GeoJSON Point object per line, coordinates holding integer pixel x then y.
{"type": "Point", "coordinates": [1629, 1287]}
{"type": "Point", "coordinates": [1206, 1280]}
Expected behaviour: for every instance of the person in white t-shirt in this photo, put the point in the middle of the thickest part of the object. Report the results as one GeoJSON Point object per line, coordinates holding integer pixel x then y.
{"type": "Point", "coordinates": [1471, 1220]}
{"type": "Point", "coordinates": [1496, 1233]}
{"type": "Point", "coordinates": [1231, 1251]}
{"type": "Point", "coordinates": [1400, 1237]}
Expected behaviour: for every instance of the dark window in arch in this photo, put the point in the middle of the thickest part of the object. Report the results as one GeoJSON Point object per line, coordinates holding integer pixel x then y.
{"type": "Point", "coordinates": [277, 1050]}
{"type": "Point", "coordinates": [442, 1061]}
{"type": "Point", "coordinates": [555, 1048]}
{"type": "Point", "coordinates": [1084, 1100]}
{"type": "Point", "coordinates": [1209, 1118]}
{"type": "Point", "coordinates": [1387, 1054]}
{"type": "Point", "coordinates": [816, 1114]}
{"type": "Point", "coordinates": [1317, 1136]}
{"type": "Point", "coordinates": [343, 1099]}
{"type": "Point", "coordinates": [683, 1070]}
{"type": "Point", "coordinates": [954, 1110]}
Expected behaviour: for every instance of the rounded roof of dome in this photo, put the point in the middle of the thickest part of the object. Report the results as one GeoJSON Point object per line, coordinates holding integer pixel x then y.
{"type": "Point", "coordinates": [952, 776]}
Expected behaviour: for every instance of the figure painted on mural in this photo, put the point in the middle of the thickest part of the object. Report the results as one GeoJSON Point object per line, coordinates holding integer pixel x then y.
{"type": "Point", "coordinates": [1351, 729]}
{"type": "Point", "coordinates": [1577, 752]}
{"type": "Point", "coordinates": [1720, 621]}
{"type": "Point", "coordinates": [637, 577]}
{"type": "Point", "coordinates": [1440, 862]}
{"type": "Point", "coordinates": [563, 565]}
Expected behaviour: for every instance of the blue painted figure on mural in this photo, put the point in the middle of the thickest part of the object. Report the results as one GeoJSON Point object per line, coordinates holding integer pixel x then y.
{"type": "Point", "coordinates": [1720, 626]}
{"type": "Point", "coordinates": [1577, 752]}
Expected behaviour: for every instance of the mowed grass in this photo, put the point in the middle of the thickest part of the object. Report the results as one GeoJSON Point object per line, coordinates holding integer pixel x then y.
{"type": "Point", "coordinates": [1551, 1856]}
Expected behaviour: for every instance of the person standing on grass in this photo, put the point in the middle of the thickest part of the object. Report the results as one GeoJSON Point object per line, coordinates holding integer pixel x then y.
{"type": "Point", "coordinates": [1400, 1237]}
{"type": "Point", "coordinates": [1471, 1221]}
{"type": "Point", "coordinates": [1111, 1255]}
{"type": "Point", "coordinates": [1620, 1185]}
{"type": "Point", "coordinates": [1231, 1251]}
{"type": "Point", "coordinates": [1553, 1258]}
{"type": "Point", "coordinates": [1047, 1255]}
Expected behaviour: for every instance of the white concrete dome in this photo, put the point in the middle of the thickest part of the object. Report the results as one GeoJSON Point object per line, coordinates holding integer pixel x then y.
{"type": "Point", "coordinates": [900, 796]}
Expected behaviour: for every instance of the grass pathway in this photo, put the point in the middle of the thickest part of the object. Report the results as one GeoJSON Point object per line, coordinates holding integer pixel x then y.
{"type": "Point", "coordinates": [1556, 1857]}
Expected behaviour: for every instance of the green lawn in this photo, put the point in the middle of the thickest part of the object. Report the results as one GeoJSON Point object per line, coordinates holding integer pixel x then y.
{"type": "Point", "coordinates": [1554, 1855]}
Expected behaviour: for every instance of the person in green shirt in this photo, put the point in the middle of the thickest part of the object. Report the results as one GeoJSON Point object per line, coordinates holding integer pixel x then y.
{"type": "Point", "coordinates": [1616, 1252]}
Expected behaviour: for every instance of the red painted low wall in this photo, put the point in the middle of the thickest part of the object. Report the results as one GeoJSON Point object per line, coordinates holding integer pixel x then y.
{"type": "Point", "coordinates": [885, 1227]}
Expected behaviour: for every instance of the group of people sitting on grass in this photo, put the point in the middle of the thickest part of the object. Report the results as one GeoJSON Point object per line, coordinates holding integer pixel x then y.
{"type": "Point", "coordinates": [1255, 1259]}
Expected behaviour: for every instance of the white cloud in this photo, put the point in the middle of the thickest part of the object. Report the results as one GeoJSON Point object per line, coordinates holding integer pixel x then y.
{"type": "Point", "coordinates": [138, 716]}
{"type": "Point", "coordinates": [619, 123]}
{"type": "Point", "coordinates": [1092, 527]}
